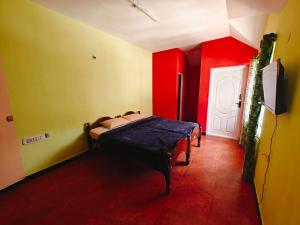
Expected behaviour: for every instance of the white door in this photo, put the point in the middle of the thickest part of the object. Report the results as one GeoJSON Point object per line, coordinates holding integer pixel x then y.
{"type": "Point", "coordinates": [226, 94]}
{"type": "Point", "coordinates": [11, 168]}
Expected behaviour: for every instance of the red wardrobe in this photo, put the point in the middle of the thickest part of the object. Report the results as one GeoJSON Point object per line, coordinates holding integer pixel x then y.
{"type": "Point", "coordinates": [169, 83]}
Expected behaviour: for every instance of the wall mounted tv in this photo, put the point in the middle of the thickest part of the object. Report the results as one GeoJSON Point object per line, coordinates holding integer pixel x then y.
{"type": "Point", "coordinates": [273, 87]}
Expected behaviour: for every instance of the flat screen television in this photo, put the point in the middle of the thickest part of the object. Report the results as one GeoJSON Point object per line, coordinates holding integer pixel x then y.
{"type": "Point", "coordinates": [273, 87]}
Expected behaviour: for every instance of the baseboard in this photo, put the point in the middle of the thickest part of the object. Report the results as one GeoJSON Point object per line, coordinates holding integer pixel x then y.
{"type": "Point", "coordinates": [42, 172]}
{"type": "Point", "coordinates": [11, 185]}
{"type": "Point", "coordinates": [257, 205]}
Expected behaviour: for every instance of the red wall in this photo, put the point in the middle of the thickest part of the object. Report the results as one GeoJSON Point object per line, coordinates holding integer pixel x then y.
{"type": "Point", "coordinates": [219, 53]}
{"type": "Point", "coordinates": [165, 68]}
{"type": "Point", "coordinates": [192, 82]}
{"type": "Point", "coordinates": [181, 68]}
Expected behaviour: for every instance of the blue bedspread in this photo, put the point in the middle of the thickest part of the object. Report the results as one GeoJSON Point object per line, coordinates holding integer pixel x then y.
{"type": "Point", "coordinates": [151, 134]}
{"type": "Point", "coordinates": [172, 125]}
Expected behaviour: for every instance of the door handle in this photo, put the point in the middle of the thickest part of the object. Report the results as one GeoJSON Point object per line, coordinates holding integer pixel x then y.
{"type": "Point", "coordinates": [239, 104]}
{"type": "Point", "coordinates": [9, 118]}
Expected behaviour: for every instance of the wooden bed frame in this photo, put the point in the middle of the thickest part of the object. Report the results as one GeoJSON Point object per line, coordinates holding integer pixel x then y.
{"type": "Point", "coordinates": [169, 159]}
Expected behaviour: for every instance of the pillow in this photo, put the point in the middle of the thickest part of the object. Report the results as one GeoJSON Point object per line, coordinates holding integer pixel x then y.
{"type": "Point", "coordinates": [133, 117]}
{"type": "Point", "coordinates": [115, 122]}
{"type": "Point", "coordinates": [96, 132]}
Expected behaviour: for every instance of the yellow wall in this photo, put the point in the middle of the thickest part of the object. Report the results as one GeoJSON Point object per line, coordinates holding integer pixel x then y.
{"type": "Point", "coordinates": [54, 84]}
{"type": "Point", "coordinates": [281, 205]}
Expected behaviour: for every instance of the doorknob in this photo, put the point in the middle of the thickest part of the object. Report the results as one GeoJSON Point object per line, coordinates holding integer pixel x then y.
{"type": "Point", "coordinates": [9, 118]}
{"type": "Point", "coordinates": [239, 103]}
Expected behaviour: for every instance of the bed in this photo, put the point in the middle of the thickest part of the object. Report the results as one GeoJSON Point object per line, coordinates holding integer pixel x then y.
{"type": "Point", "coordinates": [156, 141]}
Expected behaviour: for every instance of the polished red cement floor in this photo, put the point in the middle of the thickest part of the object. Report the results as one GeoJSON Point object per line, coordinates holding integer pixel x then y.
{"type": "Point", "coordinates": [101, 189]}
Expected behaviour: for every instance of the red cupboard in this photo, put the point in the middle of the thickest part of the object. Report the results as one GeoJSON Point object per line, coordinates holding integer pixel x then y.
{"type": "Point", "coordinates": [169, 83]}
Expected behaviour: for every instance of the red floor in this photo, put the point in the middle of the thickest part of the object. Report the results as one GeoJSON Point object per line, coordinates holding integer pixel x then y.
{"type": "Point", "coordinates": [100, 189]}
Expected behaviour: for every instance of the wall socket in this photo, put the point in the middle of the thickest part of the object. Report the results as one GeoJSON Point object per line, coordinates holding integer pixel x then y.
{"type": "Point", "coordinates": [33, 139]}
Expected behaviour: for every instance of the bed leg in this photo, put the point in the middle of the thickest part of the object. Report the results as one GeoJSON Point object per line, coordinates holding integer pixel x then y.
{"type": "Point", "coordinates": [199, 137]}
{"type": "Point", "coordinates": [168, 173]}
{"type": "Point", "coordinates": [168, 183]}
{"type": "Point", "coordinates": [87, 128]}
{"type": "Point", "coordinates": [188, 151]}
{"type": "Point", "coordinates": [199, 140]}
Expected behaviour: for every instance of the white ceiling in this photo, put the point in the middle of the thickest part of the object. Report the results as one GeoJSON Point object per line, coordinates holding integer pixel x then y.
{"type": "Point", "coordinates": [182, 23]}
{"type": "Point", "coordinates": [248, 29]}
{"type": "Point", "coordinates": [245, 8]}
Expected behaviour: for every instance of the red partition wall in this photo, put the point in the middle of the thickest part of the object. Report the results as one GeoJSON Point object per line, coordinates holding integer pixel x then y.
{"type": "Point", "coordinates": [192, 82]}
{"type": "Point", "coordinates": [219, 53]}
{"type": "Point", "coordinates": [181, 68]}
{"type": "Point", "coordinates": [165, 68]}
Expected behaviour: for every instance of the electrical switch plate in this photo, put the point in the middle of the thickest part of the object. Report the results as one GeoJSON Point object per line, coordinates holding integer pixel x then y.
{"type": "Point", "coordinates": [33, 139]}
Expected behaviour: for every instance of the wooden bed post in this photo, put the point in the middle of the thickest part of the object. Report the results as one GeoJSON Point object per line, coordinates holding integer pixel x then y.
{"type": "Point", "coordinates": [87, 128]}
{"type": "Point", "coordinates": [168, 173]}
{"type": "Point", "coordinates": [199, 140]}
{"type": "Point", "coordinates": [188, 151]}
{"type": "Point", "coordinates": [199, 136]}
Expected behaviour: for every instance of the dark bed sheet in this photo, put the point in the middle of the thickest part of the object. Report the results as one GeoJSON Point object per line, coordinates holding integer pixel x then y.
{"type": "Point", "coordinates": [172, 125]}
{"type": "Point", "coordinates": [151, 134]}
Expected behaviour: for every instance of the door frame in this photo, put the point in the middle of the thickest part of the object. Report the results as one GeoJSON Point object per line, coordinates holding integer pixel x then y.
{"type": "Point", "coordinates": [11, 165]}
{"type": "Point", "coordinates": [243, 92]}
{"type": "Point", "coordinates": [180, 80]}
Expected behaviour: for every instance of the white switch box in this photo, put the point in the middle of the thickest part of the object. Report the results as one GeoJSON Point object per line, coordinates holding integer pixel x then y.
{"type": "Point", "coordinates": [30, 140]}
